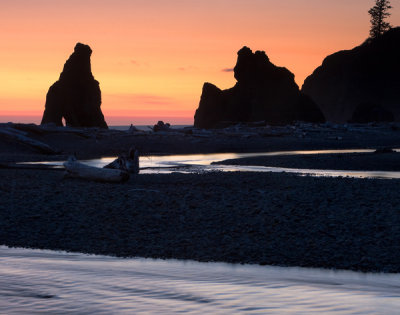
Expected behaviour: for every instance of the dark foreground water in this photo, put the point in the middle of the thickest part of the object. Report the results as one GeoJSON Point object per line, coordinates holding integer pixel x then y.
{"type": "Point", "coordinates": [34, 281]}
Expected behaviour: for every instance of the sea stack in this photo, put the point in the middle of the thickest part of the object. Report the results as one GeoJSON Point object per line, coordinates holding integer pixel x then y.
{"type": "Point", "coordinates": [360, 85]}
{"type": "Point", "coordinates": [76, 96]}
{"type": "Point", "coordinates": [263, 92]}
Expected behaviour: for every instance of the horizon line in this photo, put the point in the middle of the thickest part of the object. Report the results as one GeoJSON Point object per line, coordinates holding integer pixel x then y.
{"type": "Point", "coordinates": [110, 120]}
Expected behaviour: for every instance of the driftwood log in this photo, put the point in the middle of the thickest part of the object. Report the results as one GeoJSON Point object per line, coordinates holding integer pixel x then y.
{"type": "Point", "coordinates": [21, 137]}
{"type": "Point", "coordinates": [125, 163]}
{"type": "Point", "coordinates": [84, 133]}
{"type": "Point", "coordinates": [27, 166]}
{"type": "Point", "coordinates": [31, 128]}
{"type": "Point", "coordinates": [75, 169]}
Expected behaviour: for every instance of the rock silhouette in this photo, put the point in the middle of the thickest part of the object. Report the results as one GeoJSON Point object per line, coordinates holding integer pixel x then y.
{"type": "Point", "coordinates": [263, 92]}
{"type": "Point", "coordinates": [76, 96]}
{"type": "Point", "coordinates": [369, 73]}
{"type": "Point", "coordinates": [369, 112]}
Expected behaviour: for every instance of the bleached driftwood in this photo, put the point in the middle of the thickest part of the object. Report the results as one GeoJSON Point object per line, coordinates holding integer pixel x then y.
{"type": "Point", "coordinates": [84, 133]}
{"type": "Point", "coordinates": [26, 166]}
{"type": "Point", "coordinates": [31, 128]}
{"type": "Point", "coordinates": [20, 137]}
{"type": "Point", "coordinates": [76, 169]}
{"type": "Point", "coordinates": [129, 164]}
{"type": "Point", "coordinates": [49, 129]}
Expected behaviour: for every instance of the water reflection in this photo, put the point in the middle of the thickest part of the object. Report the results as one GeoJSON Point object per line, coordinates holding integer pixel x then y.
{"type": "Point", "coordinates": [33, 281]}
{"type": "Point", "coordinates": [155, 161]}
{"type": "Point", "coordinates": [197, 163]}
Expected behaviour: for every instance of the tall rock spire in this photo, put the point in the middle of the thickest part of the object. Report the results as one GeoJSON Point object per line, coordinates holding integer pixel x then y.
{"type": "Point", "coordinates": [76, 96]}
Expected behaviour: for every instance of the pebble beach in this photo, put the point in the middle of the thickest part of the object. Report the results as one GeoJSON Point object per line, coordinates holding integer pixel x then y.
{"type": "Point", "coordinates": [258, 218]}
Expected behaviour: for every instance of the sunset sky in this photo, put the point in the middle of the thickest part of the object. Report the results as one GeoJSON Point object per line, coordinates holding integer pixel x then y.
{"type": "Point", "coordinates": [152, 57]}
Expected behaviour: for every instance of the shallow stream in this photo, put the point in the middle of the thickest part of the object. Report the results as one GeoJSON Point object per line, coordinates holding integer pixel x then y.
{"type": "Point", "coordinates": [196, 163]}
{"type": "Point", "coordinates": [35, 281]}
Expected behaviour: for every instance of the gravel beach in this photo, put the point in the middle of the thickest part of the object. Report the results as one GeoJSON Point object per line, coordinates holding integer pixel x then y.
{"type": "Point", "coordinates": [260, 218]}
{"type": "Point", "coordinates": [275, 219]}
{"type": "Point", "coordinates": [94, 143]}
{"type": "Point", "coordinates": [347, 161]}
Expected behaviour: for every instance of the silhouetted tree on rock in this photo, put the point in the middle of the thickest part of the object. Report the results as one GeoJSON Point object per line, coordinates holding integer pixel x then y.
{"type": "Point", "coordinates": [368, 73]}
{"type": "Point", "coordinates": [379, 12]}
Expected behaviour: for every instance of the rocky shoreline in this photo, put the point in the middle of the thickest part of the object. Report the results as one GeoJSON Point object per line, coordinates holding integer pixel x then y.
{"type": "Point", "coordinates": [260, 218]}
{"type": "Point", "coordinates": [97, 142]}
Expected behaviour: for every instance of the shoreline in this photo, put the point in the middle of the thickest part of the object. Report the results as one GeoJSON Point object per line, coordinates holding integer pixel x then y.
{"type": "Point", "coordinates": [257, 218]}
{"type": "Point", "coordinates": [385, 162]}
{"type": "Point", "coordinates": [91, 143]}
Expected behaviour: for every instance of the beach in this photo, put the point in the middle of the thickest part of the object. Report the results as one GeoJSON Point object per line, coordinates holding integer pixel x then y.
{"type": "Point", "coordinates": [89, 143]}
{"type": "Point", "coordinates": [239, 217]}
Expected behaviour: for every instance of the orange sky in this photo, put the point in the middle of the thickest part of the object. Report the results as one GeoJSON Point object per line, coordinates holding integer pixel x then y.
{"type": "Point", "coordinates": [152, 57]}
